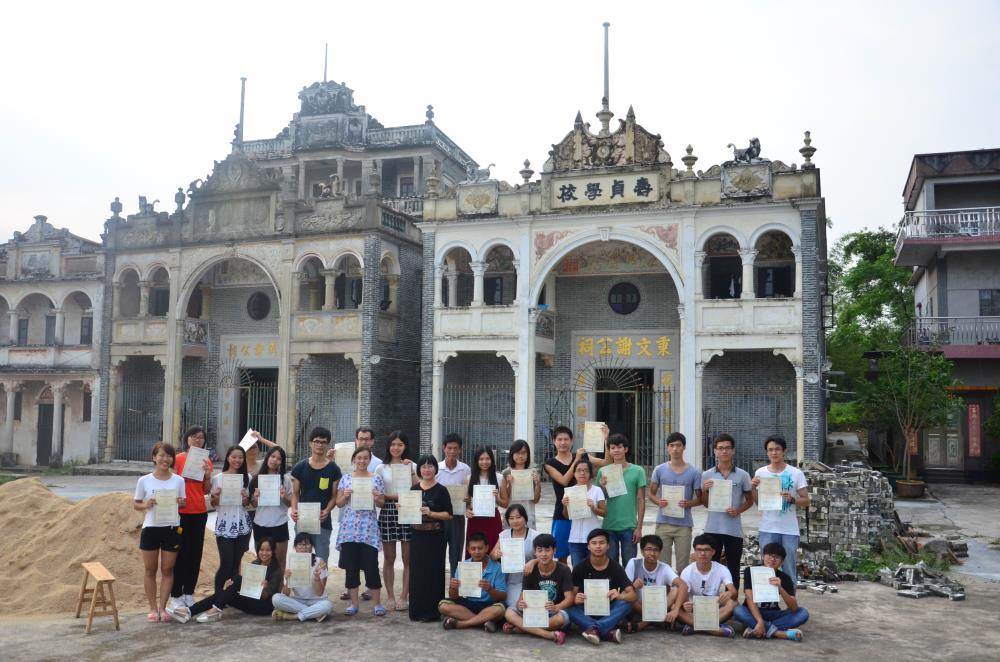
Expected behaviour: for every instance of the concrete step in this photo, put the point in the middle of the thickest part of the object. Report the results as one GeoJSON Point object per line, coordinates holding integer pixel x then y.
{"type": "Point", "coordinates": [945, 475]}
{"type": "Point", "coordinates": [116, 468]}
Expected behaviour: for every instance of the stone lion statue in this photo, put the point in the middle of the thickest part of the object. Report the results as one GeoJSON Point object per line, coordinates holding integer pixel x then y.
{"type": "Point", "coordinates": [747, 154]}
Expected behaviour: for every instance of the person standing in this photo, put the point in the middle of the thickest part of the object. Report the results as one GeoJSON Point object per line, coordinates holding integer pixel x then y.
{"type": "Point", "coordinates": [194, 519]}
{"type": "Point", "coordinates": [314, 480]}
{"type": "Point", "coordinates": [454, 472]}
{"type": "Point", "coordinates": [358, 538]}
{"type": "Point", "coordinates": [272, 521]}
{"type": "Point", "coordinates": [363, 438]}
{"type": "Point", "coordinates": [727, 527]}
{"type": "Point", "coordinates": [427, 543]}
{"type": "Point", "coordinates": [232, 523]}
{"type": "Point", "coordinates": [519, 457]}
{"type": "Point", "coordinates": [397, 452]}
{"type": "Point", "coordinates": [484, 472]}
{"type": "Point", "coordinates": [625, 512]}
{"type": "Point", "coordinates": [560, 468]}
{"type": "Point", "coordinates": [782, 526]}
{"type": "Point", "coordinates": [579, 532]}
{"type": "Point", "coordinates": [675, 532]}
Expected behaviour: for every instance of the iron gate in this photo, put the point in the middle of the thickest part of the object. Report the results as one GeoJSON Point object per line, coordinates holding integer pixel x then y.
{"type": "Point", "coordinates": [140, 418]}
{"type": "Point", "coordinates": [750, 414]}
{"type": "Point", "coordinates": [483, 415]}
{"type": "Point", "coordinates": [261, 401]}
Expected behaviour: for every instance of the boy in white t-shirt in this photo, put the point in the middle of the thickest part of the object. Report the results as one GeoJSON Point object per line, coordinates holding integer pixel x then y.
{"type": "Point", "coordinates": [782, 526]}
{"type": "Point", "coordinates": [649, 570]}
{"type": "Point", "coordinates": [705, 577]}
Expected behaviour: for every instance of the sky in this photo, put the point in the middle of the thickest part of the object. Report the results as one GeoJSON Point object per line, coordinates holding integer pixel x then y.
{"type": "Point", "coordinates": [109, 99]}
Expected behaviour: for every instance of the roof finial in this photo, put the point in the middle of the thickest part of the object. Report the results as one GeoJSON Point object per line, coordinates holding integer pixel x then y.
{"type": "Point", "coordinates": [238, 142]}
{"type": "Point", "coordinates": [605, 115]}
{"type": "Point", "coordinates": [326, 58]}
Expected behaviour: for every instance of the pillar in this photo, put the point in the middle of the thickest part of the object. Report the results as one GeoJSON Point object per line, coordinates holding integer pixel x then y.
{"type": "Point", "coordinates": [293, 408]}
{"type": "Point", "coordinates": [478, 269]}
{"type": "Point", "coordinates": [286, 400]}
{"type": "Point", "coordinates": [367, 166]}
{"type": "Point", "coordinates": [58, 391]}
{"type": "Point", "coordinates": [800, 413]}
{"type": "Point", "coordinates": [14, 317]}
{"type": "Point", "coordinates": [341, 187]}
{"type": "Point", "coordinates": [437, 393]}
{"type": "Point", "coordinates": [688, 388]}
{"type": "Point", "coordinates": [524, 385]}
{"type": "Point", "coordinates": [699, 273]}
{"type": "Point", "coordinates": [7, 448]}
{"type": "Point", "coordinates": [144, 287]}
{"type": "Point", "coordinates": [748, 257]}
{"type": "Point", "coordinates": [60, 325]}
{"type": "Point", "coordinates": [438, 294]}
{"type": "Point", "coordinates": [697, 452]}
{"type": "Point", "coordinates": [329, 283]}
{"type": "Point", "coordinates": [296, 302]}
{"type": "Point", "coordinates": [393, 281]}
{"type": "Point", "coordinates": [114, 381]}
{"type": "Point", "coordinates": [417, 179]}
{"type": "Point", "coordinates": [797, 252]}
{"type": "Point", "coordinates": [116, 301]}
{"type": "Point", "coordinates": [173, 360]}
{"type": "Point", "coordinates": [302, 181]}
{"type": "Point", "coordinates": [452, 288]}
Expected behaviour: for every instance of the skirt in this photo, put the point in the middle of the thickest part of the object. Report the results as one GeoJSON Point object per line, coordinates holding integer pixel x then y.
{"type": "Point", "coordinates": [491, 526]}
{"type": "Point", "coordinates": [388, 524]}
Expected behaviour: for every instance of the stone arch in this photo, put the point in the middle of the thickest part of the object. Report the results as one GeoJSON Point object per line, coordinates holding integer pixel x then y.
{"type": "Point", "coordinates": [159, 291]}
{"type": "Point", "coordinates": [348, 287]}
{"type": "Point", "coordinates": [312, 283]}
{"type": "Point", "coordinates": [458, 282]}
{"type": "Point", "coordinates": [442, 253]}
{"type": "Point", "coordinates": [489, 245]}
{"type": "Point", "coordinates": [152, 270]}
{"type": "Point", "coordinates": [770, 227]}
{"type": "Point", "coordinates": [195, 276]}
{"type": "Point", "coordinates": [388, 280]}
{"type": "Point", "coordinates": [78, 318]}
{"type": "Point", "coordinates": [722, 269]}
{"type": "Point", "coordinates": [500, 267]}
{"type": "Point", "coordinates": [126, 268]}
{"type": "Point", "coordinates": [721, 229]}
{"type": "Point", "coordinates": [302, 259]}
{"type": "Point", "coordinates": [32, 293]}
{"type": "Point", "coordinates": [36, 319]}
{"type": "Point", "coordinates": [774, 265]}
{"type": "Point", "coordinates": [344, 253]}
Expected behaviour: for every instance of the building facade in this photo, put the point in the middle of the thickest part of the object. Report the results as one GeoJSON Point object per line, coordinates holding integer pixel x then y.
{"type": "Point", "coordinates": [950, 236]}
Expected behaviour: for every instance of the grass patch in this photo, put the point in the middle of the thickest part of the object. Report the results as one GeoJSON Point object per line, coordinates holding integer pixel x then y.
{"type": "Point", "coordinates": [6, 478]}
{"type": "Point", "coordinates": [868, 565]}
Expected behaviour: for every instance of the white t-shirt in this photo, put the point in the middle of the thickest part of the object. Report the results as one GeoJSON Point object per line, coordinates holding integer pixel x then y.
{"type": "Point", "coordinates": [307, 592]}
{"type": "Point", "coordinates": [786, 520]}
{"type": "Point", "coordinates": [710, 584]}
{"type": "Point", "coordinates": [385, 471]}
{"type": "Point", "coordinates": [662, 575]}
{"type": "Point", "coordinates": [274, 515]}
{"type": "Point", "coordinates": [529, 553]}
{"type": "Point", "coordinates": [581, 527]}
{"type": "Point", "coordinates": [146, 488]}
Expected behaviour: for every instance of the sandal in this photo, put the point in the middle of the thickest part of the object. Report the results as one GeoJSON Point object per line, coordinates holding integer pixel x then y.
{"type": "Point", "coordinates": [379, 610]}
{"type": "Point", "coordinates": [390, 604]}
{"type": "Point", "coordinates": [351, 611]}
{"type": "Point", "coordinates": [508, 628]}
{"type": "Point", "coordinates": [402, 605]}
{"type": "Point", "coordinates": [153, 617]}
{"type": "Point", "coordinates": [793, 634]}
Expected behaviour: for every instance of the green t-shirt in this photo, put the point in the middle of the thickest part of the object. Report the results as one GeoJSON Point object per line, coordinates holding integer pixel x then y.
{"type": "Point", "coordinates": [621, 509]}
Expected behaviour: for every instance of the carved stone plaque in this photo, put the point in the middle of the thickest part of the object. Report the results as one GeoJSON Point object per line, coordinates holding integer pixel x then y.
{"type": "Point", "coordinates": [746, 181]}
{"type": "Point", "coordinates": [480, 198]}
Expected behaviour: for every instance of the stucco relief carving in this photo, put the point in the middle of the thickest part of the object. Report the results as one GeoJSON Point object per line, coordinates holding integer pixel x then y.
{"type": "Point", "coordinates": [478, 198]}
{"type": "Point", "coordinates": [746, 181]}
{"type": "Point", "coordinates": [667, 234]}
{"type": "Point", "coordinates": [135, 237]}
{"type": "Point", "coordinates": [326, 222]}
{"type": "Point", "coordinates": [546, 240]}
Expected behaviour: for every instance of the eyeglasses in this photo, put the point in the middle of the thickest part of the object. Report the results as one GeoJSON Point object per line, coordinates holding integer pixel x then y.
{"type": "Point", "coordinates": [321, 442]}
{"type": "Point", "coordinates": [728, 449]}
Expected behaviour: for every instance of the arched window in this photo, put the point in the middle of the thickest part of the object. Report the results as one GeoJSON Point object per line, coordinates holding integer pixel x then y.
{"type": "Point", "coordinates": [774, 266]}
{"type": "Point", "coordinates": [723, 269]}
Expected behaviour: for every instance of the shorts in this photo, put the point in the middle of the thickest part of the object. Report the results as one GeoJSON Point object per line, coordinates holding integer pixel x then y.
{"type": "Point", "coordinates": [277, 533]}
{"type": "Point", "coordinates": [474, 607]}
{"type": "Point", "coordinates": [167, 538]}
{"type": "Point", "coordinates": [560, 612]}
{"type": "Point", "coordinates": [560, 531]}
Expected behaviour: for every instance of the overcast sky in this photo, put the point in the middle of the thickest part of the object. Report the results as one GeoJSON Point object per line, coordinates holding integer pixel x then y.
{"type": "Point", "coordinates": [103, 99]}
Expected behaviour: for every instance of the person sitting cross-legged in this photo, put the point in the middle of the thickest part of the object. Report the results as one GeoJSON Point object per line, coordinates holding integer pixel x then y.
{"type": "Point", "coordinates": [648, 570]}
{"type": "Point", "coordinates": [768, 620]}
{"type": "Point", "coordinates": [621, 595]}
{"type": "Point", "coordinates": [545, 573]}
{"type": "Point", "coordinates": [485, 610]}
{"type": "Point", "coordinates": [705, 577]}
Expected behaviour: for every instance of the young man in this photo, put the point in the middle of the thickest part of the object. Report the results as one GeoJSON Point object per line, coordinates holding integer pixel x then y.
{"type": "Point", "coordinates": [782, 526]}
{"type": "Point", "coordinates": [454, 472]}
{"type": "Point", "coordinates": [707, 578]}
{"type": "Point", "coordinates": [546, 574]}
{"type": "Point", "coordinates": [768, 620]}
{"type": "Point", "coordinates": [621, 594]}
{"type": "Point", "coordinates": [485, 610]}
{"type": "Point", "coordinates": [314, 480]}
{"type": "Point", "coordinates": [675, 532]}
{"type": "Point", "coordinates": [626, 511]}
{"type": "Point", "coordinates": [727, 527]}
{"type": "Point", "coordinates": [649, 570]}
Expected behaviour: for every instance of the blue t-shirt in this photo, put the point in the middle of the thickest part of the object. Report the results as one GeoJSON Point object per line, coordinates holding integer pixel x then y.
{"type": "Point", "coordinates": [690, 478]}
{"type": "Point", "coordinates": [494, 575]}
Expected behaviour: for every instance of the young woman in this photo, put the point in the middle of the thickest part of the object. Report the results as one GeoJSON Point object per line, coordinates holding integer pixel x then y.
{"type": "Point", "coordinates": [583, 474]}
{"type": "Point", "coordinates": [304, 603]}
{"type": "Point", "coordinates": [519, 457]}
{"type": "Point", "coordinates": [194, 517]}
{"type": "Point", "coordinates": [397, 451]}
{"type": "Point", "coordinates": [484, 472]}
{"type": "Point", "coordinates": [427, 543]}
{"type": "Point", "coordinates": [272, 521]}
{"type": "Point", "coordinates": [232, 524]}
{"type": "Point", "coordinates": [358, 539]}
{"type": "Point", "coordinates": [159, 543]}
{"type": "Point", "coordinates": [516, 518]}
{"type": "Point", "coordinates": [230, 595]}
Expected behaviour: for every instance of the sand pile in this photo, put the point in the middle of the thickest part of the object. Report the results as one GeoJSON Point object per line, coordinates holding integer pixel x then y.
{"type": "Point", "coordinates": [44, 538]}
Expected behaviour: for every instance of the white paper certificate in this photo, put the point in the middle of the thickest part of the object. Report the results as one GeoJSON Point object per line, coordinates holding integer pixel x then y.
{"type": "Point", "coordinates": [593, 437]}
{"type": "Point", "coordinates": [457, 494]}
{"type": "Point", "coordinates": [270, 490]}
{"type": "Point", "coordinates": [469, 574]}
{"type": "Point", "coordinates": [399, 479]}
{"type": "Point", "coordinates": [761, 587]}
{"type": "Point", "coordinates": [512, 555]}
{"type": "Point", "coordinates": [654, 603]}
{"type": "Point", "coordinates": [409, 505]}
{"type": "Point", "coordinates": [720, 497]}
{"type": "Point", "coordinates": [248, 440]}
{"type": "Point", "coordinates": [342, 455]}
{"type": "Point", "coordinates": [769, 494]}
{"type": "Point", "coordinates": [615, 485]}
{"type": "Point", "coordinates": [674, 494]}
{"type": "Point", "coordinates": [253, 578]}
{"type": "Point", "coordinates": [706, 612]}
{"type": "Point", "coordinates": [165, 511]}
{"type": "Point", "coordinates": [308, 517]}
{"type": "Point", "coordinates": [232, 490]}
{"type": "Point", "coordinates": [361, 493]}
{"type": "Point", "coordinates": [484, 504]}
{"type": "Point", "coordinates": [194, 463]}
{"type": "Point", "coordinates": [301, 566]}
{"type": "Point", "coordinates": [597, 602]}
{"type": "Point", "coordinates": [523, 488]}
{"type": "Point", "coordinates": [578, 508]}
{"type": "Point", "coordinates": [535, 615]}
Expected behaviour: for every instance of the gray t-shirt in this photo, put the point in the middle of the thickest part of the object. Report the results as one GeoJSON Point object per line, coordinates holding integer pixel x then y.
{"type": "Point", "coordinates": [690, 478]}
{"type": "Point", "coordinates": [722, 523]}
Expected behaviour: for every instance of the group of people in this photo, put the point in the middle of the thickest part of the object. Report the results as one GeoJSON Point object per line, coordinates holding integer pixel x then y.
{"type": "Point", "coordinates": [605, 543]}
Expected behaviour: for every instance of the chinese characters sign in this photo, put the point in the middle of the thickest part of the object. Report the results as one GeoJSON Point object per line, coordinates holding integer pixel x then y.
{"type": "Point", "coordinates": [593, 190]}
{"type": "Point", "coordinates": [975, 431]}
{"type": "Point", "coordinates": [609, 346]}
{"type": "Point", "coordinates": [251, 351]}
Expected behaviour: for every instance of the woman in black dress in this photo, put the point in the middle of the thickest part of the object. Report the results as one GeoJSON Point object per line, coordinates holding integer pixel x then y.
{"type": "Point", "coordinates": [427, 544]}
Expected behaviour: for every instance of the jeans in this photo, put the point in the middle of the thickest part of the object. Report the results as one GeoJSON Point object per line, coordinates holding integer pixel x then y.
{"type": "Point", "coordinates": [320, 543]}
{"type": "Point", "coordinates": [306, 608]}
{"type": "Point", "coordinates": [782, 619]}
{"type": "Point", "coordinates": [791, 545]}
{"type": "Point", "coordinates": [621, 540]}
{"type": "Point", "coordinates": [578, 552]}
{"type": "Point", "coordinates": [603, 624]}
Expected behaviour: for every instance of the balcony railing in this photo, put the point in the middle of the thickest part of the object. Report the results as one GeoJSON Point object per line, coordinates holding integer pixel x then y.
{"type": "Point", "coordinates": [939, 331]}
{"type": "Point", "coordinates": [269, 147]}
{"type": "Point", "coordinates": [411, 205]}
{"type": "Point", "coordinates": [935, 223]}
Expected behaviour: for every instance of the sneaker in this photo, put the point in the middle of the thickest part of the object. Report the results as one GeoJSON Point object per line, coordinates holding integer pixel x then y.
{"type": "Point", "coordinates": [490, 626]}
{"type": "Point", "coordinates": [614, 636]}
{"type": "Point", "coordinates": [210, 616]}
{"type": "Point", "coordinates": [688, 630]}
{"type": "Point", "coordinates": [449, 623]}
{"type": "Point", "coordinates": [592, 636]}
{"type": "Point", "coordinates": [560, 637]}
{"type": "Point", "coordinates": [727, 631]}
{"type": "Point", "coordinates": [279, 615]}
{"type": "Point", "coordinates": [178, 612]}
{"type": "Point", "coordinates": [188, 600]}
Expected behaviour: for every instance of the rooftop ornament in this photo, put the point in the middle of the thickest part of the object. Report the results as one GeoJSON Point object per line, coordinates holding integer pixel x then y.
{"type": "Point", "coordinates": [807, 152]}
{"type": "Point", "coordinates": [526, 172]}
{"type": "Point", "coordinates": [689, 160]}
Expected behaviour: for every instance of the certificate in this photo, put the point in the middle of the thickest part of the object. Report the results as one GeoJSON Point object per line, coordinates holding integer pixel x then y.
{"type": "Point", "coordinates": [597, 602]}
{"type": "Point", "coordinates": [706, 612]}
{"type": "Point", "coordinates": [165, 510]}
{"type": "Point", "coordinates": [761, 587]}
{"type": "Point", "coordinates": [232, 490]}
{"type": "Point", "coordinates": [593, 437]}
{"type": "Point", "coordinates": [523, 488]}
{"type": "Point", "coordinates": [578, 508]}
{"type": "Point", "coordinates": [254, 576]}
{"type": "Point", "coordinates": [769, 495]}
{"type": "Point", "coordinates": [270, 490]}
{"type": "Point", "coordinates": [308, 517]}
{"type": "Point", "coordinates": [535, 614]}
{"type": "Point", "coordinates": [301, 566]}
{"type": "Point", "coordinates": [342, 455]}
{"type": "Point", "coordinates": [248, 440]}
{"type": "Point", "coordinates": [654, 603]}
{"type": "Point", "coordinates": [674, 494]}
{"type": "Point", "coordinates": [361, 493]}
{"type": "Point", "coordinates": [469, 574]}
{"type": "Point", "coordinates": [409, 505]}
{"type": "Point", "coordinates": [194, 463]}
{"type": "Point", "coordinates": [484, 504]}
{"type": "Point", "coordinates": [457, 494]}
{"type": "Point", "coordinates": [512, 555]}
{"type": "Point", "coordinates": [399, 479]}
{"type": "Point", "coordinates": [720, 497]}
{"type": "Point", "coordinates": [615, 475]}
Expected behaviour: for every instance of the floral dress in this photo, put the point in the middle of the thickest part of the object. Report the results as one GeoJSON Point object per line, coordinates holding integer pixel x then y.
{"type": "Point", "coordinates": [360, 525]}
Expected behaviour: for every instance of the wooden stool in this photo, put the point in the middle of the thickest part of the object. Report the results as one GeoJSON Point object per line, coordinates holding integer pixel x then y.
{"type": "Point", "coordinates": [100, 605]}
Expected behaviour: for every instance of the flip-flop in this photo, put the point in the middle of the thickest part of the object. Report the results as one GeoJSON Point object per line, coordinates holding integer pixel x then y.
{"type": "Point", "coordinates": [402, 606]}
{"type": "Point", "coordinates": [379, 610]}
{"type": "Point", "coordinates": [153, 617]}
{"type": "Point", "coordinates": [390, 604]}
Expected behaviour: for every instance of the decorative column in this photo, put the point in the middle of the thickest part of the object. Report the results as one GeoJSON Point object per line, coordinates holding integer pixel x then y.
{"type": "Point", "coordinates": [114, 381]}
{"type": "Point", "coordinates": [329, 282]}
{"type": "Point", "coordinates": [60, 325]}
{"type": "Point", "coordinates": [7, 449]}
{"type": "Point", "coordinates": [748, 256]}
{"type": "Point", "coordinates": [452, 287]}
{"type": "Point", "coordinates": [393, 281]}
{"type": "Point", "coordinates": [418, 184]}
{"type": "Point", "coordinates": [438, 277]}
{"type": "Point", "coordinates": [437, 393]}
{"type": "Point", "coordinates": [116, 301]}
{"type": "Point", "coordinates": [478, 269]}
{"type": "Point", "coordinates": [287, 377]}
{"type": "Point", "coordinates": [144, 287]}
{"type": "Point", "coordinates": [302, 181]}
{"type": "Point", "coordinates": [292, 408]}
{"type": "Point", "coordinates": [341, 187]}
{"type": "Point", "coordinates": [800, 412]}
{"type": "Point", "coordinates": [699, 273]}
{"type": "Point", "coordinates": [58, 391]}
{"type": "Point", "coordinates": [296, 291]}
{"type": "Point", "coordinates": [367, 166]}
{"type": "Point", "coordinates": [14, 317]}
{"type": "Point", "coordinates": [797, 252]}
{"type": "Point", "coordinates": [524, 383]}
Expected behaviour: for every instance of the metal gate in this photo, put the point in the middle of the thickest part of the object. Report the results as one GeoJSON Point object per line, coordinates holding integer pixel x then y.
{"type": "Point", "coordinates": [261, 408]}
{"type": "Point", "coordinates": [483, 415]}
{"type": "Point", "coordinates": [140, 418]}
{"type": "Point", "coordinates": [750, 414]}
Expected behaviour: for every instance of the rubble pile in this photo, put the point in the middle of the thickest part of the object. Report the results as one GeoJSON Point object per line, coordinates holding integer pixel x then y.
{"type": "Point", "coordinates": [918, 581]}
